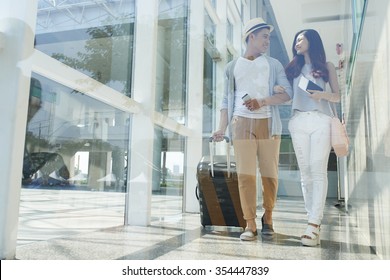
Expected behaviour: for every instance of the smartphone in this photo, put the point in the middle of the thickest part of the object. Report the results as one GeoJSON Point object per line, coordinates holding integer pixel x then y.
{"type": "Point", "coordinates": [246, 97]}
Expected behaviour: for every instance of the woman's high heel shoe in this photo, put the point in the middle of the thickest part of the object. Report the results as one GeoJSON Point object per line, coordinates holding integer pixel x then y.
{"type": "Point", "coordinates": [311, 236]}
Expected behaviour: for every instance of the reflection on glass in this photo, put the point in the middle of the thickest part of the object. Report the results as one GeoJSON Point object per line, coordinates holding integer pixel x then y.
{"type": "Point", "coordinates": [168, 174]}
{"type": "Point", "coordinates": [94, 37]}
{"type": "Point", "coordinates": [73, 142]}
{"type": "Point", "coordinates": [209, 29]}
{"type": "Point", "coordinates": [230, 56]}
{"type": "Point", "coordinates": [171, 59]}
{"type": "Point", "coordinates": [229, 31]}
{"type": "Point", "coordinates": [358, 10]}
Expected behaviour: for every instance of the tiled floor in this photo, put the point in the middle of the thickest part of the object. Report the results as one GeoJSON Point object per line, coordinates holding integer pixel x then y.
{"type": "Point", "coordinates": [178, 236]}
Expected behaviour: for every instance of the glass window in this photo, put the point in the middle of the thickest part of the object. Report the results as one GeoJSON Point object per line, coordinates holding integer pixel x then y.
{"type": "Point", "coordinates": [229, 31]}
{"type": "Point", "coordinates": [230, 56]}
{"type": "Point", "coordinates": [208, 99]}
{"type": "Point", "coordinates": [168, 174]}
{"type": "Point", "coordinates": [75, 154]}
{"type": "Point", "coordinates": [209, 29]}
{"type": "Point", "coordinates": [76, 147]}
{"type": "Point", "coordinates": [94, 37]}
{"type": "Point", "coordinates": [73, 141]}
{"type": "Point", "coordinates": [213, 3]}
{"type": "Point", "coordinates": [358, 9]}
{"type": "Point", "coordinates": [171, 59]}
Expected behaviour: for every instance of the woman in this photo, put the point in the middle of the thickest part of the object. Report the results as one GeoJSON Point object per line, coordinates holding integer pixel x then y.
{"type": "Point", "coordinates": [311, 122]}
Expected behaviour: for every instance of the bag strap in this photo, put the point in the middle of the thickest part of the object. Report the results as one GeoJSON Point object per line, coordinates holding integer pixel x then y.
{"type": "Point", "coordinates": [334, 112]}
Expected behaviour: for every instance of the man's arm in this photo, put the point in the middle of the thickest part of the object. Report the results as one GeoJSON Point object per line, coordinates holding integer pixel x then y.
{"type": "Point", "coordinates": [277, 98]}
{"type": "Point", "coordinates": [223, 123]}
{"type": "Point", "coordinates": [282, 91]}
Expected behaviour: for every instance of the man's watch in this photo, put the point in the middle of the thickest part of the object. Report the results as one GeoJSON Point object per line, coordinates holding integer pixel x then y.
{"type": "Point", "coordinates": [262, 102]}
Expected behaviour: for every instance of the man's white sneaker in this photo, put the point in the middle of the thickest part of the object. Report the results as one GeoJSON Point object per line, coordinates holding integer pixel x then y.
{"type": "Point", "coordinates": [248, 235]}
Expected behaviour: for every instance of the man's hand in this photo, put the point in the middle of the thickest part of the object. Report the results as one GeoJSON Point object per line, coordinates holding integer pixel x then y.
{"type": "Point", "coordinates": [254, 104]}
{"type": "Point", "coordinates": [218, 135]}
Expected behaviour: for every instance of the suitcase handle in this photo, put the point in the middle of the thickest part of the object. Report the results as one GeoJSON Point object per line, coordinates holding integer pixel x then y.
{"type": "Point", "coordinates": [212, 146]}
{"type": "Point", "coordinates": [211, 139]}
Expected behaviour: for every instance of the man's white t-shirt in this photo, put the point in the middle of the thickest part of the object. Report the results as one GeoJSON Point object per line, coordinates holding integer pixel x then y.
{"type": "Point", "coordinates": [251, 77]}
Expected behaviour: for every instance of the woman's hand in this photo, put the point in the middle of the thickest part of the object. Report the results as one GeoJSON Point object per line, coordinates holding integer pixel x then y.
{"type": "Point", "coordinates": [279, 89]}
{"type": "Point", "coordinates": [316, 94]}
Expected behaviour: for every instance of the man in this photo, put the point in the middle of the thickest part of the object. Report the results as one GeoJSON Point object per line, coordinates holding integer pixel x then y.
{"type": "Point", "coordinates": [254, 84]}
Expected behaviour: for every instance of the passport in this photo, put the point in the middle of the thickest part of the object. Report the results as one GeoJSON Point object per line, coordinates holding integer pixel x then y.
{"type": "Point", "coordinates": [306, 84]}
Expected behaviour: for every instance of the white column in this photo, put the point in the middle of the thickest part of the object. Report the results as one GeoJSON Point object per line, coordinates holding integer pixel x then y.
{"type": "Point", "coordinates": [194, 101]}
{"type": "Point", "coordinates": [17, 25]}
{"type": "Point", "coordinates": [221, 43]}
{"type": "Point", "coordinates": [142, 130]}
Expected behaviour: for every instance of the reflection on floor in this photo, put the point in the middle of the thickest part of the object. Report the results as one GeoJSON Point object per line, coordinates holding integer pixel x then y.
{"type": "Point", "coordinates": [69, 229]}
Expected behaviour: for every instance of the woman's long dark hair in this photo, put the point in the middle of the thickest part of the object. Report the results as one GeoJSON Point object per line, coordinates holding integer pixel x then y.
{"type": "Point", "coordinates": [316, 54]}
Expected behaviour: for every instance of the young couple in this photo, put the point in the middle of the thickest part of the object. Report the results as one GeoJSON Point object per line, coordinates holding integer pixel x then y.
{"type": "Point", "coordinates": [255, 126]}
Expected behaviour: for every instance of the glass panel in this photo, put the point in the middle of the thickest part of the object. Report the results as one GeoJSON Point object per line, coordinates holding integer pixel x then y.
{"type": "Point", "coordinates": [208, 99]}
{"type": "Point", "coordinates": [209, 29]}
{"type": "Point", "coordinates": [75, 153]}
{"type": "Point", "coordinates": [230, 31]}
{"type": "Point", "coordinates": [94, 37]}
{"type": "Point", "coordinates": [74, 141]}
{"type": "Point", "coordinates": [230, 56]}
{"type": "Point", "coordinates": [168, 174]}
{"type": "Point", "coordinates": [171, 59]}
{"type": "Point", "coordinates": [358, 9]}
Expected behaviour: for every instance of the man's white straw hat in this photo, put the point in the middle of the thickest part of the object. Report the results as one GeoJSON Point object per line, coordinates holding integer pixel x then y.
{"type": "Point", "coordinates": [255, 24]}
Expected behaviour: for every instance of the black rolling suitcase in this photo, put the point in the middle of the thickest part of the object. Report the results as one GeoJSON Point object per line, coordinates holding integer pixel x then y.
{"type": "Point", "coordinates": [217, 190]}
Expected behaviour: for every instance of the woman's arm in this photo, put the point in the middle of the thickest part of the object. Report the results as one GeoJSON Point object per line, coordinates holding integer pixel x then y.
{"type": "Point", "coordinates": [334, 95]}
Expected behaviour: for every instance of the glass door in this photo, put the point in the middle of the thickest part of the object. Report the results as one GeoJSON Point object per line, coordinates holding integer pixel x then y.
{"type": "Point", "coordinates": [77, 136]}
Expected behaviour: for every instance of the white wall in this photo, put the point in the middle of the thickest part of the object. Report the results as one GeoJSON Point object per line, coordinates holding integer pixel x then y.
{"type": "Point", "coordinates": [321, 15]}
